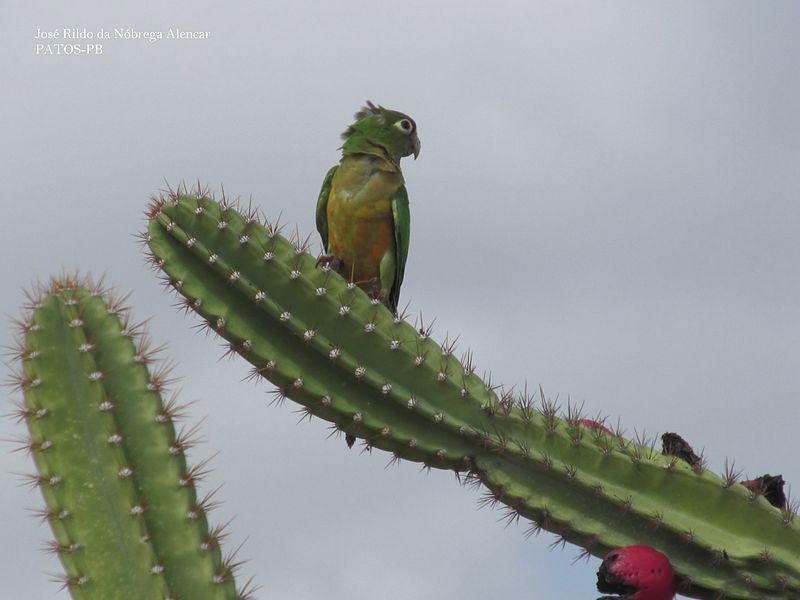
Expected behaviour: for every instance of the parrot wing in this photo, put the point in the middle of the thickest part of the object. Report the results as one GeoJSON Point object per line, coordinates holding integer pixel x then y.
{"type": "Point", "coordinates": [402, 233]}
{"type": "Point", "coordinates": [322, 208]}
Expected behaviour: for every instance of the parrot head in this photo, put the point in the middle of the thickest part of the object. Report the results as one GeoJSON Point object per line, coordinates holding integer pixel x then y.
{"type": "Point", "coordinates": [392, 131]}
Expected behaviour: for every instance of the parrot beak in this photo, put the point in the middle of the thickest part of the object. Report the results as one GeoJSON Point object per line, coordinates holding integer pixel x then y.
{"type": "Point", "coordinates": [416, 145]}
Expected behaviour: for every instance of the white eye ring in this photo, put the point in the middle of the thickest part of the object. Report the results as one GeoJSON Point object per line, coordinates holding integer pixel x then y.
{"type": "Point", "coordinates": [404, 125]}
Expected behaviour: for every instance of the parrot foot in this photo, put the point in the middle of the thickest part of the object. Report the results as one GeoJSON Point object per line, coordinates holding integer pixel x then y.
{"type": "Point", "coordinates": [376, 296]}
{"type": "Point", "coordinates": [371, 286]}
{"type": "Point", "coordinates": [329, 262]}
{"type": "Point", "coordinates": [374, 292]}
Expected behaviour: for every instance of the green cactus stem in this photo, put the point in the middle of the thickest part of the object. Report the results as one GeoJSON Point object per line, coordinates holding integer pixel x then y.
{"type": "Point", "coordinates": [346, 359]}
{"type": "Point", "coordinates": [121, 501]}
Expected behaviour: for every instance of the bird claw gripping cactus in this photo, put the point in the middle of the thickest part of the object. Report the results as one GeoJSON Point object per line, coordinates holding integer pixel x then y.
{"type": "Point", "coordinates": [121, 501]}
{"type": "Point", "coordinates": [350, 361]}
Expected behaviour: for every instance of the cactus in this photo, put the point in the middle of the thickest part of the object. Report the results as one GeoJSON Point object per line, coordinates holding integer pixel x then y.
{"type": "Point", "coordinates": [346, 359]}
{"type": "Point", "coordinates": [121, 501]}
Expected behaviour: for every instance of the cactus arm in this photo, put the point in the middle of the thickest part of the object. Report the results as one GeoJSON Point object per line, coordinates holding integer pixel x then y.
{"type": "Point", "coordinates": [73, 431]}
{"type": "Point", "coordinates": [326, 346]}
{"type": "Point", "coordinates": [120, 499]}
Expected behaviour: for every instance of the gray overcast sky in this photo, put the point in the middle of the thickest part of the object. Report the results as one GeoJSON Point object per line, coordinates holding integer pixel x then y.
{"type": "Point", "coordinates": [606, 204]}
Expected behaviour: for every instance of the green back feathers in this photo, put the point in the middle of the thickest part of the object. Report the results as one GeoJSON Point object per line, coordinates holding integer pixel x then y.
{"type": "Point", "coordinates": [402, 234]}
{"type": "Point", "coordinates": [322, 207]}
{"type": "Point", "coordinates": [382, 132]}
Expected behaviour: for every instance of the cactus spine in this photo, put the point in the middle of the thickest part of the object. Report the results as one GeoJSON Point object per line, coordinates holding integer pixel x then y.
{"type": "Point", "coordinates": [348, 360]}
{"type": "Point", "coordinates": [120, 498]}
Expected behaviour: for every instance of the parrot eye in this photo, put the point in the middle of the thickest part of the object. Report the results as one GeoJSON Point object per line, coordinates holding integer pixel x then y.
{"type": "Point", "coordinates": [404, 125]}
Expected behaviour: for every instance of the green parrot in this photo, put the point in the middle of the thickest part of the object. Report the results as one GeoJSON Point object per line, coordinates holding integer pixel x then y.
{"type": "Point", "coordinates": [362, 210]}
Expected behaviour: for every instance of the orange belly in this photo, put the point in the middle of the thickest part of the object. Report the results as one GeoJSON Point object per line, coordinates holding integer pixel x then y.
{"type": "Point", "coordinates": [361, 243]}
{"type": "Point", "coordinates": [360, 219]}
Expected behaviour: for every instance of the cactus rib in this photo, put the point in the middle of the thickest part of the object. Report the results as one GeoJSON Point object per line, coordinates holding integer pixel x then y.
{"type": "Point", "coordinates": [344, 358]}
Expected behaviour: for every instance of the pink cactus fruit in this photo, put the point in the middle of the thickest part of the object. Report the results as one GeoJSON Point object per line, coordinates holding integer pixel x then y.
{"type": "Point", "coordinates": [592, 424]}
{"type": "Point", "coordinates": [637, 573]}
